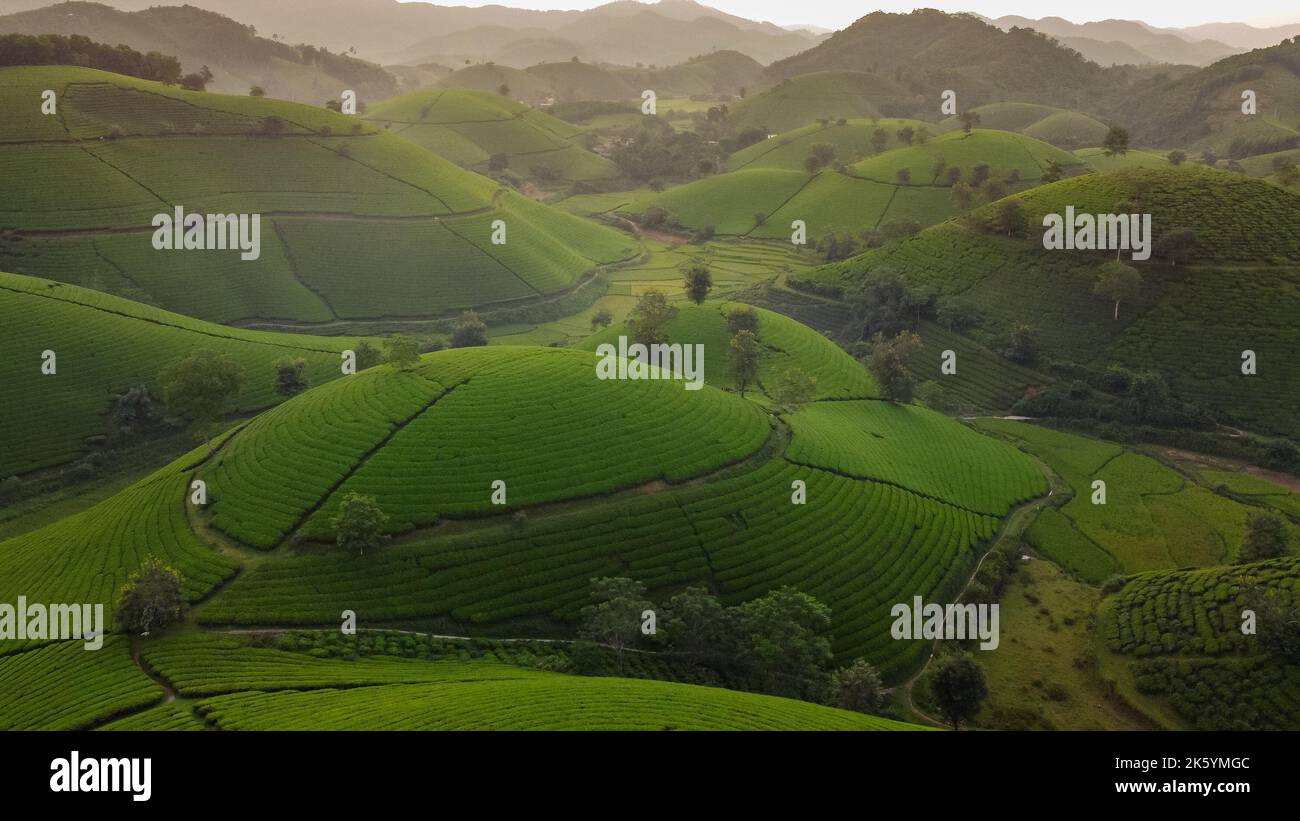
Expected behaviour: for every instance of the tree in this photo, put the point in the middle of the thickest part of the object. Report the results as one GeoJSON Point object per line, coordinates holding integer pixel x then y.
{"type": "Point", "coordinates": [1177, 246]}
{"type": "Point", "coordinates": [958, 688]}
{"type": "Point", "coordinates": [503, 90]}
{"type": "Point", "coordinates": [969, 119]}
{"type": "Point", "coordinates": [1149, 391]}
{"type": "Point", "coordinates": [614, 617]}
{"type": "Point", "coordinates": [1266, 538]}
{"type": "Point", "coordinates": [152, 597]}
{"type": "Point", "coordinates": [905, 134]}
{"type": "Point", "coordinates": [1277, 624]}
{"type": "Point", "coordinates": [470, 331]}
{"type": "Point", "coordinates": [256, 91]}
{"type": "Point", "coordinates": [1209, 158]}
{"type": "Point", "coordinates": [1053, 173]}
{"type": "Point", "coordinates": [819, 156]}
{"type": "Point", "coordinates": [649, 317]}
{"type": "Point", "coordinates": [785, 637]}
{"type": "Point", "coordinates": [698, 283]}
{"type": "Point", "coordinates": [952, 175]}
{"type": "Point", "coordinates": [368, 355]}
{"type": "Point", "coordinates": [359, 523]}
{"type": "Point", "coordinates": [879, 139]}
{"type": "Point", "coordinates": [1287, 173]}
{"type": "Point", "coordinates": [956, 313]}
{"type": "Point", "coordinates": [888, 364]}
{"type": "Point", "coordinates": [857, 687]}
{"type": "Point", "coordinates": [133, 411]}
{"type": "Point", "coordinates": [1176, 157]}
{"type": "Point", "coordinates": [402, 352]}
{"type": "Point", "coordinates": [940, 166]}
{"type": "Point", "coordinates": [962, 195]}
{"type": "Point", "coordinates": [744, 359]}
{"type": "Point", "coordinates": [1009, 218]}
{"type": "Point", "coordinates": [884, 303]}
{"type": "Point", "coordinates": [794, 390]}
{"type": "Point", "coordinates": [994, 191]}
{"type": "Point", "coordinates": [1116, 142]}
{"type": "Point", "coordinates": [742, 319]}
{"type": "Point", "coordinates": [1020, 345]}
{"type": "Point", "coordinates": [904, 176]}
{"type": "Point", "coordinates": [499, 161]}
{"type": "Point", "coordinates": [197, 388]}
{"type": "Point", "coordinates": [1117, 282]}
{"type": "Point", "coordinates": [601, 319]}
{"type": "Point", "coordinates": [980, 174]}
{"type": "Point", "coordinates": [698, 625]}
{"type": "Point", "coordinates": [291, 375]}
{"type": "Point", "coordinates": [198, 80]}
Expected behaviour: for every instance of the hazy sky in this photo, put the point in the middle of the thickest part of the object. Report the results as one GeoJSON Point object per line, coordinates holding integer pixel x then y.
{"type": "Point", "coordinates": [838, 13]}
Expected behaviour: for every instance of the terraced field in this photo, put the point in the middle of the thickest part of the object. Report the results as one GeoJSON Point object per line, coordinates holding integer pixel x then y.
{"type": "Point", "coordinates": [558, 433]}
{"type": "Point", "coordinates": [851, 141]}
{"type": "Point", "coordinates": [1153, 517]}
{"type": "Point", "coordinates": [787, 344]}
{"type": "Point", "coordinates": [66, 687]}
{"type": "Point", "coordinates": [1178, 635]}
{"type": "Point", "coordinates": [106, 345]}
{"type": "Point", "coordinates": [1011, 280]}
{"type": "Point", "coordinates": [342, 199]}
{"type": "Point", "coordinates": [469, 127]}
{"type": "Point", "coordinates": [1003, 151]}
{"type": "Point", "coordinates": [541, 701]}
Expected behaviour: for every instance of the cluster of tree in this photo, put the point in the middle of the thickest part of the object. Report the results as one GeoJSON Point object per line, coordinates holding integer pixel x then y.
{"type": "Point", "coordinates": [653, 150]}
{"type": "Point", "coordinates": [777, 643]}
{"type": "Point", "coordinates": [1267, 537]}
{"type": "Point", "coordinates": [1116, 396]}
{"type": "Point", "coordinates": [76, 50]}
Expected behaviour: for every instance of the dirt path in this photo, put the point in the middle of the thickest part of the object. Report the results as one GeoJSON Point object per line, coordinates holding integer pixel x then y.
{"type": "Point", "coordinates": [1012, 526]}
{"type": "Point", "coordinates": [169, 692]}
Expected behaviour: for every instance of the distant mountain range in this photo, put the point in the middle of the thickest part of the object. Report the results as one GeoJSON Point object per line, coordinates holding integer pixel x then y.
{"type": "Point", "coordinates": [624, 32]}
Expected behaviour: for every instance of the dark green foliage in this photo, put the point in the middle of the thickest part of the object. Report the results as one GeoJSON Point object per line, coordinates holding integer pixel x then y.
{"type": "Point", "coordinates": [152, 597]}
{"type": "Point", "coordinates": [360, 523]}
{"type": "Point", "coordinates": [958, 688]}
{"type": "Point", "coordinates": [470, 331]}
{"type": "Point", "coordinates": [614, 617]}
{"type": "Point", "coordinates": [197, 389]}
{"type": "Point", "coordinates": [291, 375]}
{"type": "Point", "coordinates": [53, 49]}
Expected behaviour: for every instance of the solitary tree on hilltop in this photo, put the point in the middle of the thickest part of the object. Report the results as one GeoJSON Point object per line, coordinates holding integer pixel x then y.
{"type": "Point", "coordinates": [969, 119]}
{"type": "Point", "coordinates": [1116, 142]}
{"type": "Point", "coordinates": [1266, 537]}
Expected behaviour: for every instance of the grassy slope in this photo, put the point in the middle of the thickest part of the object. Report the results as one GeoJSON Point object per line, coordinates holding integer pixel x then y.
{"type": "Point", "coordinates": [105, 345]}
{"type": "Point", "coordinates": [1242, 284]}
{"type": "Point", "coordinates": [330, 188]}
{"type": "Point", "coordinates": [468, 127]}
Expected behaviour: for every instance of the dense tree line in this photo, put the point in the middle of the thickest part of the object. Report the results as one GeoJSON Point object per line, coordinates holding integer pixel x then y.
{"type": "Point", "coordinates": [54, 49]}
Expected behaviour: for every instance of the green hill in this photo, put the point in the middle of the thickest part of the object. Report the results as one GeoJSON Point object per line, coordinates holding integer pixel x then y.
{"type": "Point", "coordinates": [105, 345]}
{"type": "Point", "coordinates": [797, 101]}
{"type": "Point", "coordinates": [851, 141]}
{"type": "Point", "coordinates": [237, 57]}
{"type": "Point", "coordinates": [603, 478]}
{"type": "Point", "coordinates": [469, 127]}
{"type": "Point", "coordinates": [1058, 126]}
{"type": "Point", "coordinates": [723, 73]}
{"type": "Point", "coordinates": [867, 195]}
{"type": "Point", "coordinates": [570, 81]}
{"type": "Point", "coordinates": [341, 201]}
{"type": "Point", "coordinates": [1241, 283]}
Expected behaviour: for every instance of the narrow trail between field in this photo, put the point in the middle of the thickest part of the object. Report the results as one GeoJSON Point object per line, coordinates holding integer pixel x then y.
{"type": "Point", "coordinates": [169, 692]}
{"type": "Point", "coordinates": [1015, 523]}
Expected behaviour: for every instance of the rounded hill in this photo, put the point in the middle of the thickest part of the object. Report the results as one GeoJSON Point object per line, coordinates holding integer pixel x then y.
{"type": "Point", "coordinates": [338, 200]}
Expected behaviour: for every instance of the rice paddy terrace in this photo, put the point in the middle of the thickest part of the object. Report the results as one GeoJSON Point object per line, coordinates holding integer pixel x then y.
{"type": "Point", "coordinates": [341, 201]}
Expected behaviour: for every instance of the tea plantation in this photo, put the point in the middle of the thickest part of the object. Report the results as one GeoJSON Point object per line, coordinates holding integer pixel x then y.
{"type": "Point", "coordinates": [80, 199]}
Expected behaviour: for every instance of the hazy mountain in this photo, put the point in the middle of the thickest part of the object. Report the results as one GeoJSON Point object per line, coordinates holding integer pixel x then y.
{"type": "Point", "coordinates": [929, 51]}
{"type": "Point", "coordinates": [237, 57]}
{"type": "Point", "coordinates": [1242, 35]}
{"type": "Point", "coordinates": [387, 31]}
{"type": "Point", "coordinates": [1097, 40]}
